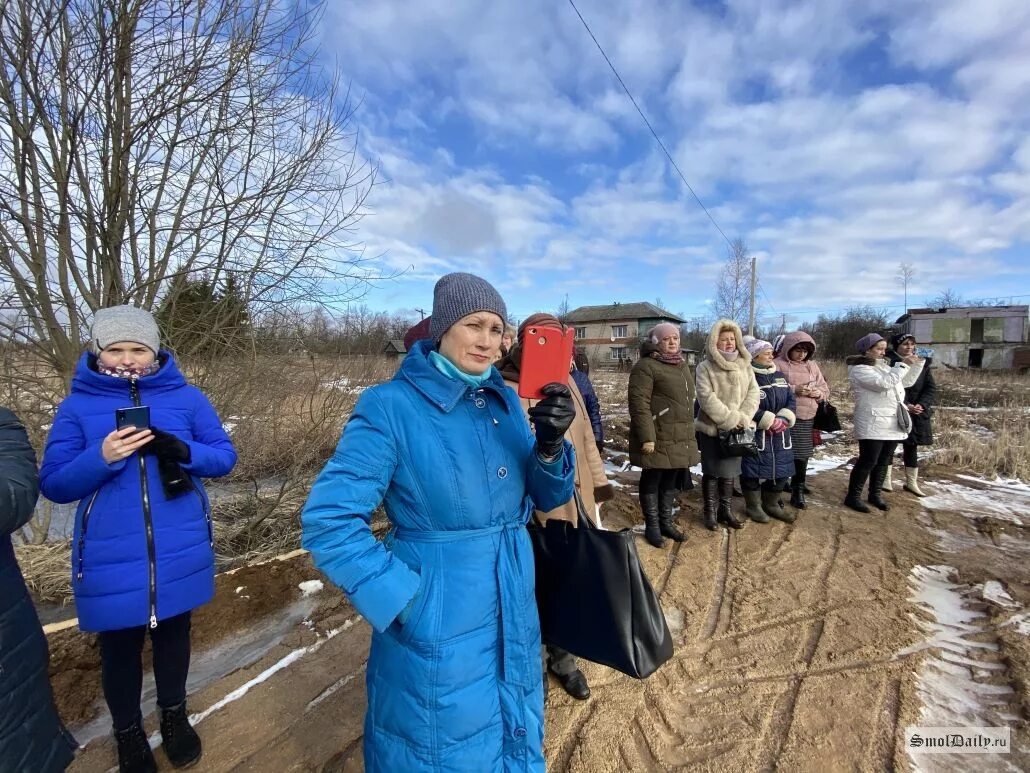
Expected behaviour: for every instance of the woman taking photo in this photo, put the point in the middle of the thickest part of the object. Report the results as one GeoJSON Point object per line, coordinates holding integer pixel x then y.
{"type": "Point", "coordinates": [454, 675]}
{"type": "Point", "coordinates": [592, 486]}
{"type": "Point", "coordinates": [661, 429]}
{"type": "Point", "coordinates": [142, 555]}
{"type": "Point", "coordinates": [879, 392]}
{"type": "Point", "coordinates": [727, 396]}
{"type": "Point", "coordinates": [763, 477]}
{"type": "Point", "coordinates": [919, 399]}
{"type": "Point", "coordinates": [795, 362]}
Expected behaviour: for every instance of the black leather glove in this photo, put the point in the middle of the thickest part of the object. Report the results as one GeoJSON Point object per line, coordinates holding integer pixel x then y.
{"type": "Point", "coordinates": [167, 447]}
{"type": "Point", "coordinates": [552, 418]}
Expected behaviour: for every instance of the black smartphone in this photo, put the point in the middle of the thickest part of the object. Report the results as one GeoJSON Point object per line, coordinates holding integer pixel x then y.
{"type": "Point", "coordinates": [137, 416]}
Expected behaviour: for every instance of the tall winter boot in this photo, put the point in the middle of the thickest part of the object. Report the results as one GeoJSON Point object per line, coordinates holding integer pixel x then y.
{"type": "Point", "coordinates": [912, 481]}
{"type": "Point", "coordinates": [134, 755]}
{"type": "Point", "coordinates": [798, 489]}
{"type": "Point", "coordinates": [753, 506]}
{"type": "Point", "coordinates": [710, 500]}
{"type": "Point", "coordinates": [652, 532]}
{"type": "Point", "coordinates": [666, 526]}
{"type": "Point", "coordinates": [725, 514]}
{"type": "Point", "coordinates": [773, 508]}
{"type": "Point", "coordinates": [180, 741]}
{"type": "Point", "coordinates": [854, 497]}
{"type": "Point", "coordinates": [888, 481]}
{"type": "Point", "coordinates": [876, 488]}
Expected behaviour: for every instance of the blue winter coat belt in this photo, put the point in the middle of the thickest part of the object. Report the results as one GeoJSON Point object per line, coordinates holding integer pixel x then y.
{"type": "Point", "coordinates": [514, 656]}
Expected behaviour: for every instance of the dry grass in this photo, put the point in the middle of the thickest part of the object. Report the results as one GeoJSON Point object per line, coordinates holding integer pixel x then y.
{"type": "Point", "coordinates": [46, 569]}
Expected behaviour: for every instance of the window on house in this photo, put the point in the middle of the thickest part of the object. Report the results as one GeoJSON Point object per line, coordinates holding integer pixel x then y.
{"type": "Point", "coordinates": [620, 331]}
{"type": "Point", "coordinates": [581, 332]}
{"type": "Point", "coordinates": [617, 352]}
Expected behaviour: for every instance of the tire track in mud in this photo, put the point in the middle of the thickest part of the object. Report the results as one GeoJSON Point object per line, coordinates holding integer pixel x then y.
{"type": "Point", "coordinates": [719, 593]}
{"type": "Point", "coordinates": [784, 716]}
{"type": "Point", "coordinates": [573, 736]}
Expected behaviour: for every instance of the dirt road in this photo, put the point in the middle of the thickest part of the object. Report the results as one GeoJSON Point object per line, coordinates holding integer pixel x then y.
{"type": "Point", "coordinates": [798, 647]}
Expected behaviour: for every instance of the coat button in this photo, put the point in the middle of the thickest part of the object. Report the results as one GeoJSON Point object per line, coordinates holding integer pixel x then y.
{"type": "Point", "coordinates": [502, 472]}
{"type": "Point", "coordinates": [520, 732]}
{"type": "Point", "coordinates": [480, 402]}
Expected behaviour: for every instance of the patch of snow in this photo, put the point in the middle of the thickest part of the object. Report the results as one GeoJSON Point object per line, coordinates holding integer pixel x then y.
{"type": "Point", "coordinates": [951, 679]}
{"type": "Point", "coordinates": [1002, 499]}
{"type": "Point", "coordinates": [240, 589]}
{"type": "Point", "coordinates": [826, 462]}
{"type": "Point", "coordinates": [311, 587]}
{"type": "Point", "coordinates": [995, 592]}
{"type": "Point", "coordinates": [675, 618]}
{"type": "Point", "coordinates": [343, 385]}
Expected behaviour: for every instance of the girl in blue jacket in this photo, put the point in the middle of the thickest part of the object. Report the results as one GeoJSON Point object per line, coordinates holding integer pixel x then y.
{"type": "Point", "coordinates": [454, 675]}
{"type": "Point", "coordinates": [142, 554]}
{"type": "Point", "coordinates": [763, 477]}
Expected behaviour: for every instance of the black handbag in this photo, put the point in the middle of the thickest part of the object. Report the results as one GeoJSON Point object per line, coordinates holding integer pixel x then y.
{"type": "Point", "coordinates": [595, 600]}
{"type": "Point", "coordinates": [738, 442]}
{"type": "Point", "coordinates": [826, 419]}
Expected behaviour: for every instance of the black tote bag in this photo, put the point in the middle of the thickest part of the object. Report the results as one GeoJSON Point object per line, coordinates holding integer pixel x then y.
{"type": "Point", "coordinates": [738, 442]}
{"type": "Point", "coordinates": [595, 600]}
{"type": "Point", "coordinates": [826, 419]}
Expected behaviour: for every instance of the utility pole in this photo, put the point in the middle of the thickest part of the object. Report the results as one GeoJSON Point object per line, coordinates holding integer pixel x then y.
{"type": "Point", "coordinates": [754, 283]}
{"type": "Point", "coordinates": [421, 314]}
{"type": "Point", "coordinates": [783, 323]}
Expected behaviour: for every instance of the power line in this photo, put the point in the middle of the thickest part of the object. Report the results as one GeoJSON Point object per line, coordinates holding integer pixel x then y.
{"type": "Point", "coordinates": [654, 134]}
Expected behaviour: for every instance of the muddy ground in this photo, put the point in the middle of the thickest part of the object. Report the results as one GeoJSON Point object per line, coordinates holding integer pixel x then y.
{"type": "Point", "coordinates": [798, 647]}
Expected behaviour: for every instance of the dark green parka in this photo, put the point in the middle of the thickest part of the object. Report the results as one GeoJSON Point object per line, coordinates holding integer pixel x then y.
{"type": "Point", "coordinates": [661, 410]}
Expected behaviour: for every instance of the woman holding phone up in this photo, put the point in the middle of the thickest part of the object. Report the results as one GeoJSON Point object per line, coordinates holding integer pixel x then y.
{"type": "Point", "coordinates": [454, 672]}
{"type": "Point", "coordinates": [142, 555]}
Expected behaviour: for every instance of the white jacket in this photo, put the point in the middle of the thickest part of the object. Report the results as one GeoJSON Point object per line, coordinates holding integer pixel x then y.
{"type": "Point", "coordinates": [878, 389]}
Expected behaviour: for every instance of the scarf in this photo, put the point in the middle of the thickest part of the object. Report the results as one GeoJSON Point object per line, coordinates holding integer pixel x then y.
{"type": "Point", "coordinates": [455, 373]}
{"type": "Point", "coordinates": [676, 358]}
{"type": "Point", "coordinates": [128, 373]}
{"type": "Point", "coordinates": [729, 356]}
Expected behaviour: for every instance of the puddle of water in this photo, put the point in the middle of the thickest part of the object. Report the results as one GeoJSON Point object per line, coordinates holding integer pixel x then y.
{"type": "Point", "coordinates": [240, 650]}
{"type": "Point", "coordinates": [952, 678]}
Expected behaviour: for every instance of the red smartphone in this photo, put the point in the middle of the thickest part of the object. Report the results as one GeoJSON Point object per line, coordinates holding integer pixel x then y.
{"type": "Point", "coordinates": [546, 359]}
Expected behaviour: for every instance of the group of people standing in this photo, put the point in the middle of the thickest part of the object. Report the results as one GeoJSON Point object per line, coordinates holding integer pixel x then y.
{"type": "Point", "coordinates": [460, 463]}
{"type": "Point", "coordinates": [773, 389]}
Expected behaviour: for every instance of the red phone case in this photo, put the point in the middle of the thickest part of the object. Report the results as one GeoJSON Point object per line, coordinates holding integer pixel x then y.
{"type": "Point", "coordinates": [546, 359]}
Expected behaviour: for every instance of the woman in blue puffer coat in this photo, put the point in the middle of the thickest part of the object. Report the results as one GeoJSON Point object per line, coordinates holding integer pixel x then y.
{"type": "Point", "coordinates": [142, 554]}
{"type": "Point", "coordinates": [762, 478]}
{"type": "Point", "coordinates": [454, 674]}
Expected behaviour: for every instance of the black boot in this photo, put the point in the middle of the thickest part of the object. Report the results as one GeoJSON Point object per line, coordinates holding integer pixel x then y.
{"type": "Point", "coordinates": [652, 532]}
{"type": "Point", "coordinates": [710, 499]}
{"type": "Point", "coordinates": [667, 527]}
{"type": "Point", "coordinates": [181, 742]}
{"type": "Point", "coordinates": [134, 755]}
{"type": "Point", "coordinates": [854, 497]}
{"type": "Point", "coordinates": [797, 484]}
{"type": "Point", "coordinates": [726, 515]}
{"type": "Point", "coordinates": [876, 488]}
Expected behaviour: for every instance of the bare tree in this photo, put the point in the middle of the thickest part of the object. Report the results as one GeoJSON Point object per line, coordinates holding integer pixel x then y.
{"type": "Point", "coordinates": [906, 273]}
{"type": "Point", "coordinates": [733, 290]}
{"type": "Point", "coordinates": [562, 312]}
{"type": "Point", "coordinates": [945, 299]}
{"type": "Point", "coordinates": [145, 140]}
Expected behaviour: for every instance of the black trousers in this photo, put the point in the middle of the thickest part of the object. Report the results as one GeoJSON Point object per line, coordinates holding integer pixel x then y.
{"type": "Point", "coordinates": [654, 481]}
{"type": "Point", "coordinates": [910, 453]}
{"type": "Point", "coordinates": [872, 455]}
{"type": "Point", "coordinates": [121, 661]}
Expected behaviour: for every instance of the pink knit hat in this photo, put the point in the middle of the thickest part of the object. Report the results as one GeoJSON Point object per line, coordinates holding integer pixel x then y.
{"type": "Point", "coordinates": [662, 330]}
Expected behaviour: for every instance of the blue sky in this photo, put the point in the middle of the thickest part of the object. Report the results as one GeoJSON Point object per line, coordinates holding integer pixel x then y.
{"type": "Point", "coordinates": [839, 139]}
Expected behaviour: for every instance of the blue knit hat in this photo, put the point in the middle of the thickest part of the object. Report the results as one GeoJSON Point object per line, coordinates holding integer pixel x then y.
{"type": "Point", "coordinates": [458, 295]}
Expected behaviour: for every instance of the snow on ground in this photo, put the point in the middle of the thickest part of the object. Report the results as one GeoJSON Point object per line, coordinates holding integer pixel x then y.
{"type": "Point", "coordinates": [995, 592]}
{"type": "Point", "coordinates": [822, 462]}
{"type": "Point", "coordinates": [952, 681]}
{"type": "Point", "coordinates": [1003, 499]}
{"type": "Point", "coordinates": [311, 587]}
{"type": "Point", "coordinates": [344, 385]}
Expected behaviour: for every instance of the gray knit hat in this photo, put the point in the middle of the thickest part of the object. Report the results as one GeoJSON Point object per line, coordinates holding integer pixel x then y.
{"type": "Point", "coordinates": [457, 295]}
{"type": "Point", "coordinates": [124, 323]}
